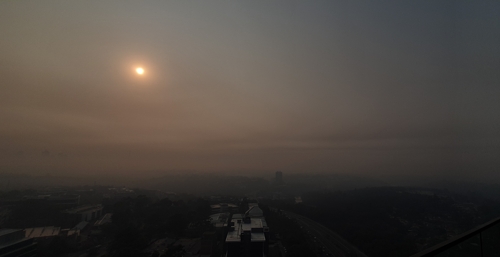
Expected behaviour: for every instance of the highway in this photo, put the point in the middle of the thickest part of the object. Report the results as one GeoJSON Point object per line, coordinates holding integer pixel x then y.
{"type": "Point", "coordinates": [332, 243]}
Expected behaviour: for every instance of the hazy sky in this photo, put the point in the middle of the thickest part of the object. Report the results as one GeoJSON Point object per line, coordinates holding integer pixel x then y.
{"type": "Point", "coordinates": [374, 87]}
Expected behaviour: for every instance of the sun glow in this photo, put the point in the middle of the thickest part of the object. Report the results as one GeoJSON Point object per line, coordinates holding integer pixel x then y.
{"type": "Point", "coordinates": [139, 70]}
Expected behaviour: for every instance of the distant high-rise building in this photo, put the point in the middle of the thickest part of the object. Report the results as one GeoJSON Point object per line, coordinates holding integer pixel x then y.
{"type": "Point", "coordinates": [279, 177]}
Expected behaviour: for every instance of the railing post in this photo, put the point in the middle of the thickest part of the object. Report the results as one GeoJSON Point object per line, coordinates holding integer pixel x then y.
{"type": "Point", "coordinates": [481, 242]}
{"type": "Point", "coordinates": [442, 247]}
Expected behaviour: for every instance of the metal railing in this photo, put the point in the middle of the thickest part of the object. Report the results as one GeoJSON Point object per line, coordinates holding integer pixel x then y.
{"type": "Point", "coordinates": [483, 241]}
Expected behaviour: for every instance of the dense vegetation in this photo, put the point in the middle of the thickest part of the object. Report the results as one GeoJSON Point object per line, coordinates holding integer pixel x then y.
{"type": "Point", "coordinates": [296, 242]}
{"type": "Point", "coordinates": [138, 221]}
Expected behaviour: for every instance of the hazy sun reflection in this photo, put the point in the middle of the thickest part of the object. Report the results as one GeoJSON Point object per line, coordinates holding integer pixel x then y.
{"type": "Point", "coordinates": [139, 71]}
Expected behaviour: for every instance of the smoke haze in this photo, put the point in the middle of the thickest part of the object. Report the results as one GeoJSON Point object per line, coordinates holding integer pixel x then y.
{"type": "Point", "coordinates": [374, 88]}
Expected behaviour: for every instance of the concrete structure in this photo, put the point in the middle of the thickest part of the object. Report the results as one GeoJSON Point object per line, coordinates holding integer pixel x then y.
{"type": "Point", "coordinates": [248, 234]}
{"type": "Point", "coordinates": [42, 232]}
{"type": "Point", "coordinates": [70, 236]}
{"type": "Point", "coordinates": [43, 236]}
{"type": "Point", "coordinates": [224, 207]}
{"type": "Point", "coordinates": [254, 211]}
{"type": "Point", "coordinates": [13, 243]}
{"type": "Point", "coordinates": [82, 225]}
{"type": "Point", "coordinates": [104, 220]}
{"type": "Point", "coordinates": [220, 220]}
{"type": "Point", "coordinates": [86, 212]}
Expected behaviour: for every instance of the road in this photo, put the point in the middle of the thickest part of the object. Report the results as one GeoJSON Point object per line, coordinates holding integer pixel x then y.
{"type": "Point", "coordinates": [330, 241]}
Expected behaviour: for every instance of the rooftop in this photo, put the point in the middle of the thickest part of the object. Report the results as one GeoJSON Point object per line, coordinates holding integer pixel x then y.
{"type": "Point", "coordinates": [258, 237]}
{"type": "Point", "coordinates": [238, 216]}
{"type": "Point", "coordinates": [223, 205]}
{"type": "Point", "coordinates": [84, 208]}
{"type": "Point", "coordinates": [240, 227]}
{"type": "Point", "coordinates": [219, 219]}
{"type": "Point", "coordinates": [42, 232]}
{"type": "Point", "coordinates": [254, 211]}
{"type": "Point", "coordinates": [254, 223]}
{"type": "Point", "coordinates": [104, 220]}
{"type": "Point", "coordinates": [81, 225]}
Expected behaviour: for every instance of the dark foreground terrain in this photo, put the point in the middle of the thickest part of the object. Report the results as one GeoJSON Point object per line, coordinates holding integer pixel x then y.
{"type": "Point", "coordinates": [394, 221]}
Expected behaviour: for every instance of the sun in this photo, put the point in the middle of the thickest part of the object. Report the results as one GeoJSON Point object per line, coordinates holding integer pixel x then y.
{"type": "Point", "coordinates": [139, 70]}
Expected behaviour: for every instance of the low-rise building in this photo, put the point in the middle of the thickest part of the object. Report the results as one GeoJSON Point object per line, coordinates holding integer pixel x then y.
{"type": "Point", "coordinates": [247, 234]}
{"type": "Point", "coordinates": [224, 207]}
{"type": "Point", "coordinates": [85, 212]}
{"type": "Point", "coordinates": [220, 220]}
{"type": "Point", "coordinates": [42, 235]}
{"type": "Point", "coordinates": [104, 220]}
{"type": "Point", "coordinates": [42, 232]}
{"type": "Point", "coordinates": [14, 243]}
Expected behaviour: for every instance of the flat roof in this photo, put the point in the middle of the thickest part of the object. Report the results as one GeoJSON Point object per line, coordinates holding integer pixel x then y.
{"type": "Point", "coordinates": [235, 235]}
{"type": "Point", "coordinates": [81, 225]}
{"type": "Point", "coordinates": [104, 220]}
{"type": "Point", "coordinates": [84, 208]}
{"type": "Point", "coordinates": [72, 232]}
{"type": "Point", "coordinates": [42, 231]}
{"type": "Point", "coordinates": [230, 205]}
{"type": "Point", "coordinates": [258, 237]}
{"type": "Point", "coordinates": [237, 216]}
{"type": "Point", "coordinates": [254, 223]}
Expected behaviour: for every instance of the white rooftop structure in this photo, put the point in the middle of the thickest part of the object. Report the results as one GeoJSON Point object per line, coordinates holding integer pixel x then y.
{"type": "Point", "coordinates": [254, 211]}
{"type": "Point", "coordinates": [254, 227]}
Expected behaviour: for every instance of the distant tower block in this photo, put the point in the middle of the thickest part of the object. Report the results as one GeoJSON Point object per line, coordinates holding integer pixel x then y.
{"type": "Point", "coordinates": [279, 177]}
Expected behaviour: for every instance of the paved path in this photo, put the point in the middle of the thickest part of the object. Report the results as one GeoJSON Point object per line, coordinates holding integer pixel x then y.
{"type": "Point", "coordinates": [332, 242]}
